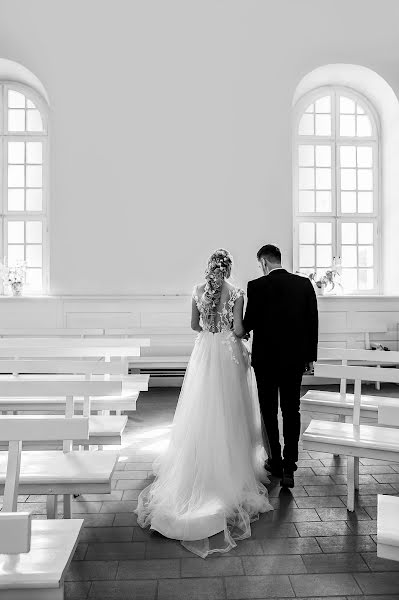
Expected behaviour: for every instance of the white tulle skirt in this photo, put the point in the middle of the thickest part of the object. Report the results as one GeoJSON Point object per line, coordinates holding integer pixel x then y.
{"type": "Point", "coordinates": [208, 485]}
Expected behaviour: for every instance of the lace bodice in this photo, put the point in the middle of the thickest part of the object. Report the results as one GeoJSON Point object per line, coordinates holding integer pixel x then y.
{"type": "Point", "coordinates": [222, 319]}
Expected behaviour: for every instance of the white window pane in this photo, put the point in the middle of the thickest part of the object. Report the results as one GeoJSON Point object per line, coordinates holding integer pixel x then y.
{"type": "Point", "coordinates": [34, 201]}
{"type": "Point", "coordinates": [16, 99]}
{"type": "Point", "coordinates": [347, 126]}
{"type": "Point", "coordinates": [364, 157]}
{"type": "Point", "coordinates": [348, 156]}
{"type": "Point", "coordinates": [16, 199]}
{"type": "Point", "coordinates": [306, 156]}
{"type": "Point", "coordinates": [16, 120]}
{"type": "Point", "coordinates": [310, 109]}
{"type": "Point", "coordinates": [34, 232]}
{"type": "Point", "coordinates": [366, 279]}
{"type": "Point", "coordinates": [324, 256]}
{"type": "Point", "coordinates": [323, 125]}
{"type": "Point", "coordinates": [34, 121]}
{"type": "Point", "coordinates": [348, 202]}
{"type": "Point", "coordinates": [306, 201]}
{"type": "Point", "coordinates": [34, 153]}
{"type": "Point", "coordinates": [349, 256]}
{"type": "Point", "coordinates": [366, 231]}
{"type": "Point", "coordinates": [365, 179]}
{"type": "Point", "coordinates": [348, 233]}
{"type": "Point", "coordinates": [323, 233]}
{"type": "Point", "coordinates": [306, 178]}
{"type": "Point", "coordinates": [16, 232]}
{"type": "Point", "coordinates": [365, 202]}
{"type": "Point", "coordinates": [34, 279]}
{"type": "Point", "coordinates": [16, 176]}
{"type": "Point", "coordinates": [323, 156]}
{"type": "Point", "coordinates": [306, 125]}
{"type": "Point", "coordinates": [306, 256]}
{"type": "Point", "coordinates": [349, 279]}
{"type": "Point", "coordinates": [15, 255]}
{"type": "Point", "coordinates": [363, 126]}
{"type": "Point", "coordinates": [323, 202]}
{"type": "Point", "coordinates": [346, 105]}
{"type": "Point", "coordinates": [34, 176]}
{"type": "Point", "coordinates": [306, 233]}
{"type": "Point", "coordinates": [34, 255]}
{"type": "Point", "coordinates": [16, 153]}
{"type": "Point", "coordinates": [29, 104]}
{"type": "Point", "coordinates": [323, 105]}
{"type": "Point", "coordinates": [323, 179]}
{"type": "Point", "coordinates": [348, 179]}
{"type": "Point", "coordinates": [366, 256]}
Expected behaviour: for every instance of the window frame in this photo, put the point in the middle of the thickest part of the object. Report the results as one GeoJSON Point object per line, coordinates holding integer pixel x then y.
{"type": "Point", "coordinates": [335, 141]}
{"type": "Point", "coordinates": [42, 136]}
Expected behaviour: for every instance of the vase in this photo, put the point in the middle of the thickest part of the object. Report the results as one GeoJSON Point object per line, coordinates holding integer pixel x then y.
{"type": "Point", "coordinates": [17, 288]}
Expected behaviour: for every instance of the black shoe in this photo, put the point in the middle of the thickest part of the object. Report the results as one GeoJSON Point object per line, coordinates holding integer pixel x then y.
{"type": "Point", "coordinates": [288, 479]}
{"type": "Point", "coordinates": [276, 471]}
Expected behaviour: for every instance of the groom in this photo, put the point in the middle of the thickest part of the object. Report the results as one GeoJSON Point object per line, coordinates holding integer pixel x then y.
{"type": "Point", "coordinates": [282, 313]}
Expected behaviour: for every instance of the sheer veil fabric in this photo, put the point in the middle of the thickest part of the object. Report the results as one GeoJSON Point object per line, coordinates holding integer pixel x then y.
{"type": "Point", "coordinates": [208, 486]}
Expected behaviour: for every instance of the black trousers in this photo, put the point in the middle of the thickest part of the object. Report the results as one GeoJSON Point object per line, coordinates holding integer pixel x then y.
{"type": "Point", "coordinates": [284, 382]}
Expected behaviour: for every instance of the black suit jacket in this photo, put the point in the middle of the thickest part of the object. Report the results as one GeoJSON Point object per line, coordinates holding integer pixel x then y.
{"type": "Point", "coordinates": [282, 313]}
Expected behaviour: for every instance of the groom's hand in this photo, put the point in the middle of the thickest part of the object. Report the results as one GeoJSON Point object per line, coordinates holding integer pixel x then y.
{"type": "Point", "coordinates": [246, 337]}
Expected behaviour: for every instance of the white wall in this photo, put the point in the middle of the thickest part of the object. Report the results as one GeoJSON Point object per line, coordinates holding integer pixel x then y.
{"type": "Point", "coordinates": [170, 125]}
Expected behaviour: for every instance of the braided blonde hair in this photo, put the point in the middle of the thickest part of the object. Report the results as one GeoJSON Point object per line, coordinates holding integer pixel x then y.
{"type": "Point", "coordinates": [219, 265]}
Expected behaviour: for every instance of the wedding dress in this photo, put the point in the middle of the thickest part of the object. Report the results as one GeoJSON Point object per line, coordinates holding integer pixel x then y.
{"type": "Point", "coordinates": [207, 488]}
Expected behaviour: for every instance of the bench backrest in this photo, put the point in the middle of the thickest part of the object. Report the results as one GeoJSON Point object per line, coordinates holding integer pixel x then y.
{"type": "Point", "coordinates": [15, 532]}
{"type": "Point", "coordinates": [60, 342]}
{"type": "Point", "coordinates": [60, 332]}
{"type": "Point", "coordinates": [357, 374]}
{"type": "Point", "coordinates": [17, 387]}
{"type": "Point", "coordinates": [63, 367]}
{"type": "Point", "coordinates": [346, 355]}
{"type": "Point", "coordinates": [93, 351]}
{"type": "Point", "coordinates": [17, 429]}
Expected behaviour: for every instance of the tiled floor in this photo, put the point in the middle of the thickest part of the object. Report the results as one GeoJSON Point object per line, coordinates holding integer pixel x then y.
{"type": "Point", "coordinates": [309, 547]}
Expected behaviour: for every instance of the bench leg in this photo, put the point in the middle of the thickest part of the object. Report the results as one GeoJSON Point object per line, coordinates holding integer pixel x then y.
{"type": "Point", "coordinates": [67, 506]}
{"type": "Point", "coordinates": [352, 481]}
{"type": "Point", "coordinates": [341, 419]}
{"type": "Point", "coordinates": [51, 507]}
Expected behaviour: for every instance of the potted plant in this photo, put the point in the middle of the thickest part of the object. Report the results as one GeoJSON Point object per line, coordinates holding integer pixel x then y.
{"type": "Point", "coordinates": [14, 277]}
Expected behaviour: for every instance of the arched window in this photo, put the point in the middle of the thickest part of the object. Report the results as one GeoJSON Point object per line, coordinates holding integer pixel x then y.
{"type": "Point", "coordinates": [336, 187]}
{"type": "Point", "coordinates": [24, 177]}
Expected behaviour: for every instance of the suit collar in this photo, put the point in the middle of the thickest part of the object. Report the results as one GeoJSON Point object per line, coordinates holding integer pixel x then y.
{"type": "Point", "coordinates": [277, 271]}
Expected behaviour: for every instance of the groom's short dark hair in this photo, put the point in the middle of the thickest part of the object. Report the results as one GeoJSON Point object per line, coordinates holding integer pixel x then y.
{"type": "Point", "coordinates": [270, 252]}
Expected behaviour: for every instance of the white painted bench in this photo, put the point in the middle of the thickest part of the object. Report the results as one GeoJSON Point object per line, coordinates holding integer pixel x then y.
{"type": "Point", "coordinates": [50, 332]}
{"type": "Point", "coordinates": [352, 439]}
{"type": "Point", "coordinates": [341, 403]}
{"type": "Point", "coordinates": [34, 555]}
{"type": "Point", "coordinates": [388, 527]}
{"type": "Point", "coordinates": [27, 394]}
{"type": "Point", "coordinates": [50, 472]}
{"type": "Point", "coordinates": [95, 370]}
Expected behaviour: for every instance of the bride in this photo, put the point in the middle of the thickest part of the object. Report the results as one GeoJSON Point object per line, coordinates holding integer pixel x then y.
{"type": "Point", "coordinates": [207, 488]}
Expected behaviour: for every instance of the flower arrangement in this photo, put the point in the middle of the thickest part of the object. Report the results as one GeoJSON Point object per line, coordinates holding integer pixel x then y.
{"type": "Point", "coordinates": [329, 283]}
{"type": "Point", "coordinates": [14, 277]}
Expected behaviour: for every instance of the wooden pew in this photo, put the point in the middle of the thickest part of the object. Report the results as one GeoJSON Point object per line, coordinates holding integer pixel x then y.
{"type": "Point", "coordinates": [341, 403]}
{"type": "Point", "coordinates": [388, 527]}
{"type": "Point", "coordinates": [352, 439]}
{"type": "Point", "coordinates": [49, 332]}
{"type": "Point", "coordinates": [74, 370]}
{"type": "Point", "coordinates": [34, 555]}
{"type": "Point", "coordinates": [103, 429]}
{"type": "Point", "coordinates": [64, 472]}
